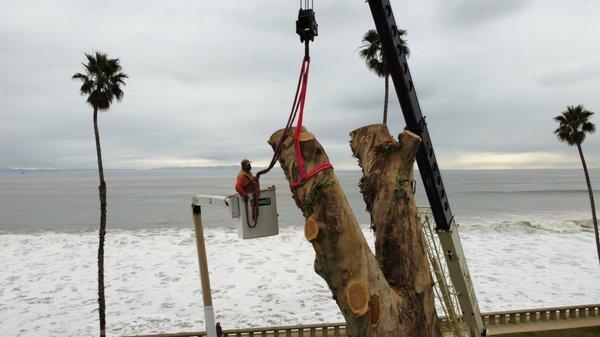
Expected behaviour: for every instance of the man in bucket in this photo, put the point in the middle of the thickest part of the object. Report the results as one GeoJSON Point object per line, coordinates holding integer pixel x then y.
{"type": "Point", "coordinates": [245, 180]}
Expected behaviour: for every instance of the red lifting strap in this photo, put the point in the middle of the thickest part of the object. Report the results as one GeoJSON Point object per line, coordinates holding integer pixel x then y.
{"type": "Point", "coordinates": [303, 176]}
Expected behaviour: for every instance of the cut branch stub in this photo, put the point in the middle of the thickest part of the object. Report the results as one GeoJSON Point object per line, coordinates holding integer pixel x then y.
{"type": "Point", "coordinates": [374, 310]}
{"type": "Point", "coordinates": [306, 136]}
{"type": "Point", "coordinates": [311, 229]}
{"type": "Point", "coordinates": [357, 295]}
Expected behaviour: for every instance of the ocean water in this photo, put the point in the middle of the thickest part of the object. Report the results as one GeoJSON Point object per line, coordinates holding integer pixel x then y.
{"type": "Point", "coordinates": [527, 236]}
{"type": "Point", "coordinates": [68, 201]}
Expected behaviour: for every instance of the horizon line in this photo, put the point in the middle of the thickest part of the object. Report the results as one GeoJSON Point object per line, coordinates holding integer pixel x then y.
{"type": "Point", "coordinates": [257, 167]}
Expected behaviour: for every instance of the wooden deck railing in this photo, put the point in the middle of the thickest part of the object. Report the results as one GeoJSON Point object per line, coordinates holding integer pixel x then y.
{"type": "Point", "coordinates": [339, 329]}
{"type": "Point", "coordinates": [545, 314]}
{"type": "Point", "coordinates": [308, 330]}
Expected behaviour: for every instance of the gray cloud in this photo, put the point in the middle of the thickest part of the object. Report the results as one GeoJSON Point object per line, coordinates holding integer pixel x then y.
{"type": "Point", "coordinates": [572, 75]}
{"type": "Point", "coordinates": [469, 13]}
{"type": "Point", "coordinates": [210, 81]}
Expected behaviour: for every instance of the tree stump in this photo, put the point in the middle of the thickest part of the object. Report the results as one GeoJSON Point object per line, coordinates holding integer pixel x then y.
{"type": "Point", "coordinates": [343, 259]}
{"type": "Point", "coordinates": [387, 188]}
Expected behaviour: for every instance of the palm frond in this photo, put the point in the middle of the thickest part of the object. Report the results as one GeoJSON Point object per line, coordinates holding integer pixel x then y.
{"type": "Point", "coordinates": [588, 127]}
{"type": "Point", "coordinates": [377, 66]}
{"type": "Point", "coordinates": [403, 44]}
{"type": "Point", "coordinates": [371, 37]}
{"type": "Point", "coordinates": [102, 81]}
{"type": "Point", "coordinates": [78, 76]}
{"type": "Point", "coordinates": [560, 119]}
{"type": "Point", "coordinates": [574, 124]}
{"type": "Point", "coordinates": [87, 87]}
{"type": "Point", "coordinates": [372, 51]}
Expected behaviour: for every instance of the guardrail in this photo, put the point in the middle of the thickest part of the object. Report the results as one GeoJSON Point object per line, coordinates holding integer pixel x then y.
{"type": "Point", "coordinates": [545, 314]}
{"type": "Point", "coordinates": [339, 329]}
{"type": "Point", "coordinates": [312, 330]}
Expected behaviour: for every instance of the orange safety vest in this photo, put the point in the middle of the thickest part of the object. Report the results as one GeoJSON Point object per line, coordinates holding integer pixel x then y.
{"type": "Point", "coordinates": [244, 183]}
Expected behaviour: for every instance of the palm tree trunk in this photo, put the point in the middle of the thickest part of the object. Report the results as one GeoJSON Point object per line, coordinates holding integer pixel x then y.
{"type": "Point", "coordinates": [102, 232]}
{"type": "Point", "coordinates": [591, 194]}
{"type": "Point", "coordinates": [385, 100]}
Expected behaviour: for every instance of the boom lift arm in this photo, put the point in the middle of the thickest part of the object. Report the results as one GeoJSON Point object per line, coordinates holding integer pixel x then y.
{"type": "Point", "coordinates": [426, 161]}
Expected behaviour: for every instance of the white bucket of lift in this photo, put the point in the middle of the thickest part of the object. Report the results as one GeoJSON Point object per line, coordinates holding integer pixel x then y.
{"type": "Point", "coordinates": [267, 223]}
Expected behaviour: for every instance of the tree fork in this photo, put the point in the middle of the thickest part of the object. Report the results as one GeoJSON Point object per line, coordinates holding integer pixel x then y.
{"type": "Point", "coordinates": [387, 188]}
{"type": "Point", "coordinates": [343, 258]}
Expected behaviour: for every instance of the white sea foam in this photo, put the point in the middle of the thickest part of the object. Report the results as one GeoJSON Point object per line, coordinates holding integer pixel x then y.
{"type": "Point", "coordinates": [48, 283]}
{"type": "Point", "coordinates": [529, 225]}
{"type": "Point", "coordinates": [560, 226]}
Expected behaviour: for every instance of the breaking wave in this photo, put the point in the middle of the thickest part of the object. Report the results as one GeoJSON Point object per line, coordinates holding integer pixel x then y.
{"type": "Point", "coordinates": [541, 191]}
{"type": "Point", "coordinates": [560, 226]}
{"type": "Point", "coordinates": [531, 225]}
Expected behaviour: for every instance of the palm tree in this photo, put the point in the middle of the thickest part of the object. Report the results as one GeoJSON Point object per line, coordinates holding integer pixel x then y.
{"type": "Point", "coordinates": [102, 83]}
{"type": "Point", "coordinates": [372, 52]}
{"type": "Point", "coordinates": [574, 124]}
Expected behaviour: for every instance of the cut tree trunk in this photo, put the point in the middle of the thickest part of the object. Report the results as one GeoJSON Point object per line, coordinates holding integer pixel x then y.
{"type": "Point", "coordinates": [343, 259]}
{"type": "Point", "coordinates": [387, 188]}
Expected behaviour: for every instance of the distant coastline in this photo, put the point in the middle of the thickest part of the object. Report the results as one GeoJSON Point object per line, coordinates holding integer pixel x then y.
{"type": "Point", "coordinates": [198, 168]}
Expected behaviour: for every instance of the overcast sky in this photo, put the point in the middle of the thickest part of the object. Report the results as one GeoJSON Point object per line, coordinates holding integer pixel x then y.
{"type": "Point", "coordinates": [211, 80]}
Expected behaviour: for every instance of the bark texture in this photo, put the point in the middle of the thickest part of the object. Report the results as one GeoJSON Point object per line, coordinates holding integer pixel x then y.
{"type": "Point", "coordinates": [387, 188]}
{"type": "Point", "coordinates": [343, 259]}
{"type": "Point", "coordinates": [102, 231]}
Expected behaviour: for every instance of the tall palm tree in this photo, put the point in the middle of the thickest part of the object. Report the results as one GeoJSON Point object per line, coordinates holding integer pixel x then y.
{"type": "Point", "coordinates": [574, 124]}
{"type": "Point", "coordinates": [372, 51]}
{"type": "Point", "coordinates": [102, 83]}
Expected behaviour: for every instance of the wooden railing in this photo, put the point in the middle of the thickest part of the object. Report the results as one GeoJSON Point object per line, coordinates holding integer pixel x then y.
{"type": "Point", "coordinates": [545, 314]}
{"type": "Point", "coordinates": [308, 330]}
{"type": "Point", "coordinates": [339, 329]}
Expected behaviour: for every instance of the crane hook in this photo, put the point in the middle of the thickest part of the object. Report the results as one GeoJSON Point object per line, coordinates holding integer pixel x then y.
{"type": "Point", "coordinates": [306, 25]}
